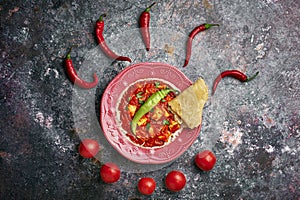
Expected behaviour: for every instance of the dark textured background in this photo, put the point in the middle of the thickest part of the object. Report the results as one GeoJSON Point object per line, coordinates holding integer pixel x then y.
{"type": "Point", "coordinates": [256, 137]}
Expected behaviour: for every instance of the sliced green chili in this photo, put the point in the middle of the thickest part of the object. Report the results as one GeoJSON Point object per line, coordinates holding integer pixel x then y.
{"type": "Point", "coordinates": [148, 126]}
{"type": "Point", "coordinates": [166, 122]}
{"type": "Point", "coordinates": [157, 84]}
{"type": "Point", "coordinates": [139, 95]}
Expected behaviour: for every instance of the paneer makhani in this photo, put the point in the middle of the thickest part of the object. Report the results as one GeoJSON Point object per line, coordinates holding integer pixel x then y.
{"type": "Point", "coordinates": [157, 127]}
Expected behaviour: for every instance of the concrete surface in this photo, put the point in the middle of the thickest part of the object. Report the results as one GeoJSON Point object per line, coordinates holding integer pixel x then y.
{"type": "Point", "coordinates": [253, 128]}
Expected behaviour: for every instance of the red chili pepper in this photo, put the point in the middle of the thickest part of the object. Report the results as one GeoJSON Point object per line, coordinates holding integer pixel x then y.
{"type": "Point", "coordinates": [192, 34]}
{"type": "Point", "coordinates": [72, 74]}
{"type": "Point", "coordinates": [144, 26]}
{"type": "Point", "coordinates": [101, 41]}
{"type": "Point", "coordinates": [232, 73]}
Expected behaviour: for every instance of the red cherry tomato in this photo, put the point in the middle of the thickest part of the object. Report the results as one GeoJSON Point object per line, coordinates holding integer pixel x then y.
{"type": "Point", "coordinates": [205, 160]}
{"type": "Point", "coordinates": [146, 185]}
{"type": "Point", "coordinates": [175, 181]}
{"type": "Point", "coordinates": [110, 172]}
{"type": "Point", "coordinates": [88, 148]}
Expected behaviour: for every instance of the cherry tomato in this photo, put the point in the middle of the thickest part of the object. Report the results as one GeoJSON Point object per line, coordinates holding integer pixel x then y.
{"type": "Point", "coordinates": [110, 172]}
{"type": "Point", "coordinates": [146, 185]}
{"type": "Point", "coordinates": [175, 181]}
{"type": "Point", "coordinates": [205, 160]}
{"type": "Point", "coordinates": [88, 148]}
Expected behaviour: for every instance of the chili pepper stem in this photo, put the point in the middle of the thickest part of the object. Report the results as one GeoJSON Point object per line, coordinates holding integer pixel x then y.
{"type": "Point", "coordinates": [207, 26]}
{"type": "Point", "coordinates": [101, 17]}
{"type": "Point", "coordinates": [252, 77]}
{"type": "Point", "coordinates": [149, 7]}
{"type": "Point", "coordinates": [69, 54]}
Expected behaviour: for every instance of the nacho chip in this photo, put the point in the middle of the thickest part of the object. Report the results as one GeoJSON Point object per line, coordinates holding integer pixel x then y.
{"type": "Point", "coordinates": [188, 105]}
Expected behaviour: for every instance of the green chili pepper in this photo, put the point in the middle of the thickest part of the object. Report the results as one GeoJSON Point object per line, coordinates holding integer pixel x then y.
{"type": "Point", "coordinates": [139, 95]}
{"type": "Point", "coordinates": [150, 103]}
{"type": "Point", "coordinates": [157, 84]}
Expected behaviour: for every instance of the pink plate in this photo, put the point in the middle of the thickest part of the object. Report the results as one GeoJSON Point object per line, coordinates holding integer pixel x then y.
{"type": "Point", "coordinates": [108, 114]}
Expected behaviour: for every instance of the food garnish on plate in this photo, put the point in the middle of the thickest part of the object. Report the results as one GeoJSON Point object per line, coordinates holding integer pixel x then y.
{"type": "Point", "coordinates": [156, 112]}
{"type": "Point", "coordinates": [147, 120]}
{"type": "Point", "coordinates": [188, 105]}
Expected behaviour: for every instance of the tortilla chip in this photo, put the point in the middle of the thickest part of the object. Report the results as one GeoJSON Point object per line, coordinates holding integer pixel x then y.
{"type": "Point", "coordinates": [188, 105]}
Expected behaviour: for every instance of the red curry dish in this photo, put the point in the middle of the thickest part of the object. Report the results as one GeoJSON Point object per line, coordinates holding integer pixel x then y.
{"type": "Point", "coordinates": [157, 127]}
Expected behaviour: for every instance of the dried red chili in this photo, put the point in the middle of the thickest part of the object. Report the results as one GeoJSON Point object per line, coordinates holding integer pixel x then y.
{"type": "Point", "coordinates": [192, 34]}
{"type": "Point", "coordinates": [101, 41]}
{"type": "Point", "coordinates": [144, 26]}
{"type": "Point", "coordinates": [72, 74]}
{"type": "Point", "coordinates": [232, 73]}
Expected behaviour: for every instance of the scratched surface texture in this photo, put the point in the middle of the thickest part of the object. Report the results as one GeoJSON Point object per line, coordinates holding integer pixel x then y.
{"type": "Point", "coordinates": [253, 128]}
